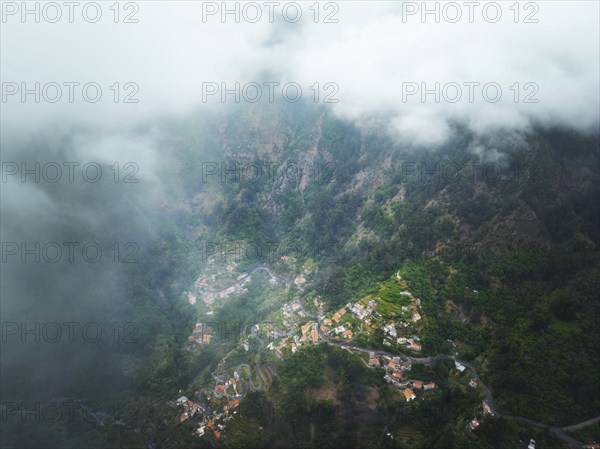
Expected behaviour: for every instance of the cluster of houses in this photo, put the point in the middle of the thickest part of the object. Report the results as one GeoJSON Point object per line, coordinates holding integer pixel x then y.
{"type": "Point", "coordinates": [227, 388]}
{"type": "Point", "coordinates": [335, 326]}
{"type": "Point", "coordinates": [188, 408]}
{"type": "Point", "coordinates": [487, 411]}
{"type": "Point", "coordinates": [473, 424]}
{"type": "Point", "coordinates": [209, 419]}
{"type": "Point", "coordinates": [238, 287]}
{"type": "Point", "coordinates": [341, 331]}
{"type": "Point", "coordinates": [337, 316]}
{"type": "Point", "coordinates": [341, 325]}
{"type": "Point", "coordinates": [208, 297]}
{"type": "Point", "coordinates": [296, 308]}
{"type": "Point", "coordinates": [362, 312]}
{"type": "Point", "coordinates": [200, 335]}
{"type": "Point", "coordinates": [215, 422]}
{"type": "Point", "coordinates": [212, 421]}
{"type": "Point", "coordinates": [395, 375]}
{"type": "Point", "coordinates": [367, 314]}
{"type": "Point", "coordinates": [410, 343]}
{"type": "Point", "coordinates": [308, 332]}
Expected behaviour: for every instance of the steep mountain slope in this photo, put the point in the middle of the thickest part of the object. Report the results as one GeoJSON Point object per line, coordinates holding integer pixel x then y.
{"type": "Point", "coordinates": [502, 233]}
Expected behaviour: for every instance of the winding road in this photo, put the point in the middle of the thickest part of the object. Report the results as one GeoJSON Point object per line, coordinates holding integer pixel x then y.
{"type": "Point", "coordinates": [559, 432]}
{"type": "Point", "coordinates": [252, 387]}
{"type": "Point", "coordinates": [264, 268]}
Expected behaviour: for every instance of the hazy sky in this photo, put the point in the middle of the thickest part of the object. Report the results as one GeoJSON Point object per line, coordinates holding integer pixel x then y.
{"type": "Point", "coordinates": [378, 54]}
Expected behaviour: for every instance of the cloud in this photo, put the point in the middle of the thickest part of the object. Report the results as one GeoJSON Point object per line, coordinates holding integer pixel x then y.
{"type": "Point", "coordinates": [377, 54]}
{"type": "Point", "coordinates": [379, 59]}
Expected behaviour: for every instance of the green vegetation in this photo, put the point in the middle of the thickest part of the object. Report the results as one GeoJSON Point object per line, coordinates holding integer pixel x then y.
{"type": "Point", "coordinates": [506, 269]}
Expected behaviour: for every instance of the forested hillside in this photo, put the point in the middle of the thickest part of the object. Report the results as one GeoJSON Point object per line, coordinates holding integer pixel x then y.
{"type": "Point", "coordinates": [501, 234]}
{"type": "Point", "coordinates": [498, 236]}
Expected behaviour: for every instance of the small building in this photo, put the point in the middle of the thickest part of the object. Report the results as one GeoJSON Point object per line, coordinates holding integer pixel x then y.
{"type": "Point", "coordinates": [409, 395]}
{"type": "Point", "coordinates": [474, 424]}
{"type": "Point", "coordinates": [415, 346]}
{"type": "Point", "coordinates": [487, 409]}
{"type": "Point", "coordinates": [315, 335]}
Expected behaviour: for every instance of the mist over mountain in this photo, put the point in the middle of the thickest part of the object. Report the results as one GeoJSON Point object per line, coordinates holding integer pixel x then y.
{"type": "Point", "coordinates": [389, 155]}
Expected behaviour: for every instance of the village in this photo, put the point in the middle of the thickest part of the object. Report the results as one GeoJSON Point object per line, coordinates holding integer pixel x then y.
{"type": "Point", "coordinates": [204, 287]}
{"type": "Point", "coordinates": [209, 419]}
{"type": "Point", "coordinates": [395, 311]}
{"type": "Point", "coordinates": [294, 326]}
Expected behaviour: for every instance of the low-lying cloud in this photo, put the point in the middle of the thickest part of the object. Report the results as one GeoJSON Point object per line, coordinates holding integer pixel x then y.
{"type": "Point", "coordinates": [382, 56]}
